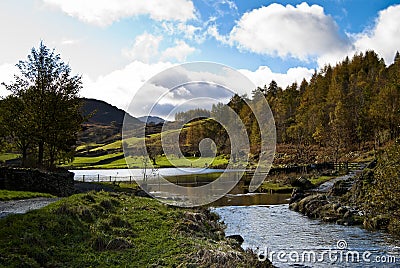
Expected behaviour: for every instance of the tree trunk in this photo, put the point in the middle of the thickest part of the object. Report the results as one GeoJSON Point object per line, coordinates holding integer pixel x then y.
{"type": "Point", "coordinates": [24, 155]}
{"type": "Point", "coordinates": [40, 153]}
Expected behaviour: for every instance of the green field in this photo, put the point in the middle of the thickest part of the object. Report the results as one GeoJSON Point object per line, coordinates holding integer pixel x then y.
{"type": "Point", "coordinates": [117, 160]}
{"type": "Point", "coordinates": [8, 156]}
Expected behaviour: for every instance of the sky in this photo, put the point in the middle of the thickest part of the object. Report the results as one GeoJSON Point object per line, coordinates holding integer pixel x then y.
{"type": "Point", "coordinates": [116, 46]}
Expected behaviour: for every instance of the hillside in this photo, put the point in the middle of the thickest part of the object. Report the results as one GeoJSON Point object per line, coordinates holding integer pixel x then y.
{"type": "Point", "coordinates": [103, 113]}
{"type": "Point", "coordinates": [151, 119]}
{"type": "Point", "coordinates": [104, 124]}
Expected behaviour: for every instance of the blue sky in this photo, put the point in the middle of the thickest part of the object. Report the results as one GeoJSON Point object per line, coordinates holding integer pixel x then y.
{"type": "Point", "coordinates": [117, 45]}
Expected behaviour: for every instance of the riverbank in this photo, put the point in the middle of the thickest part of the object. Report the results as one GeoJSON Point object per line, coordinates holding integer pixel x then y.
{"type": "Point", "coordinates": [370, 199]}
{"type": "Point", "coordinates": [118, 229]}
{"type": "Point", "coordinates": [328, 203]}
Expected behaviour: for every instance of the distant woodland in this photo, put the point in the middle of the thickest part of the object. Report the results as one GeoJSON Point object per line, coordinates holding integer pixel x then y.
{"type": "Point", "coordinates": [344, 111]}
{"type": "Point", "coordinates": [353, 106]}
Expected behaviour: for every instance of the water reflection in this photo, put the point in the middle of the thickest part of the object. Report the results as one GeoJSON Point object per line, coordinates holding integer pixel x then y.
{"type": "Point", "coordinates": [250, 199]}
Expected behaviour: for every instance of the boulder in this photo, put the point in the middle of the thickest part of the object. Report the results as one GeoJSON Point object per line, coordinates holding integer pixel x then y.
{"type": "Point", "coordinates": [297, 194]}
{"type": "Point", "coordinates": [302, 183]}
{"type": "Point", "coordinates": [238, 238]}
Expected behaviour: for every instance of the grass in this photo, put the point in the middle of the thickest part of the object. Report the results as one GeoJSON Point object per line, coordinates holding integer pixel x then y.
{"type": "Point", "coordinates": [278, 186]}
{"type": "Point", "coordinates": [103, 161]}
{"type": "Point", "coordinates": [8, 156]}
{"type": "Point", "coordinates": [89, 146]}
{"type": "Point", "coordinates": [117, 230]}
{"type": "Point", "coordinates": [196, 162]}
{"type": "Point", "coordinates": [320, 180]}
{"type": "Point", "coordinates": [111, 146]}
{"type": "Point", "coordinates": [117, 160]}
{"type": "Point", "coordinates": [14, 195]}
{"type": "Point", "coordinates": [275, 187]}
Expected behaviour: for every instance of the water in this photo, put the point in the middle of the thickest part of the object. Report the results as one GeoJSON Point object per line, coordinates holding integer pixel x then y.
{"type": "Point", "coordinates": [237, 197]}
{"type": "Point", "coordinates": [274, 228]}
{"type": "Point", "coordinates": [127, 174]}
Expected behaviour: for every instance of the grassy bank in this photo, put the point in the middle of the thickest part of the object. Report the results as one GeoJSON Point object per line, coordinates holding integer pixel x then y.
{"type": "Point", "coordinates": [118, 230]}
{"type": "Point", "coordinates": [14, 195]}
{"type": "Point", "coordinates": [281, 183]}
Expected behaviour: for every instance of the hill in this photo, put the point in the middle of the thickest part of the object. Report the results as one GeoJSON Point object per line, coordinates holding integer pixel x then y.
{"type": "Point", "coordinates": [151, 119]}
{"type": "Point", "coordinates": [104, 124]}
{"type": "Point", "coordinates": [104, 113]}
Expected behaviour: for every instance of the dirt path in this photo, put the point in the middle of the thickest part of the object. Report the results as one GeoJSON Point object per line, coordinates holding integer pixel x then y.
{"type": "Point", "coordinates": [23, 206]}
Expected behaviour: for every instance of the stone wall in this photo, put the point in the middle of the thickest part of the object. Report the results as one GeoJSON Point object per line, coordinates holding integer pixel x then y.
{"type": "Point", "coordinates": [59, 183]}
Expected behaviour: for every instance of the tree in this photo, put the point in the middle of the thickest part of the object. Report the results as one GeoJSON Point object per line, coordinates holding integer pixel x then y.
{"type": "Point", "coordinates": [47, 97]}
{"type": "Point", "coordinates": [16, 124]}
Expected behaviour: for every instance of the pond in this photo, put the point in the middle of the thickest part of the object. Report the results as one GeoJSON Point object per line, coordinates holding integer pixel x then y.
{"type": "Point", "coordinates": [131, 174]}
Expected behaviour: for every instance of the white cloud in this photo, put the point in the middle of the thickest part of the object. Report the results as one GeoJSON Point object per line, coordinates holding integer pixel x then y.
{"type": "Point", "coordinates": [119, 87]}
{"type": "Point", "coordinates": [264, 75]}
{"type": "Point", "coordinates": [304, 32]}
{"type": "Point", "coordinates": [145, 48]}
{"type": "Point", "coordinates": [178, 52]}
{"type": "Point", "coordinates": [223, 7]}
{"type": "Point", "coordinates": [105, 12]}
{"type": "Point", "coordinates": [384, 37]}
{"type": "Point", "coordinates": [191, 32]}
{"type": "Point", "coordinates": [7, 72]}
{"type": "Point", "coordinates": [186, 30]}
{"type": "Point", "coordinates": [213, 31]}
{"type": "Point", "coordinates": [69, 42]}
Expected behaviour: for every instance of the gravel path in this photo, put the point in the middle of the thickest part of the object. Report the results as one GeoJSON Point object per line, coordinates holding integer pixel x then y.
{"type": "Point", "coordinates": [24, 205]}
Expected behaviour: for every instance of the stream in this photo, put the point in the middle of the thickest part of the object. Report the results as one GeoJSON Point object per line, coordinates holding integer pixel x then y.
{"type": "Point", "coordinates": [290, 239]}
{"type": "Point", "coordinates": [271, 230]}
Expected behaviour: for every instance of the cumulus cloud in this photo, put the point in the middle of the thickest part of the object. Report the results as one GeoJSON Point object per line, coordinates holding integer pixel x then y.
{"type": "Point", "coordinates": [213, 31]}
{"type": "Point", "coordinates": [179, 52]}
{"type": "Point", "coordinates": [104, 13]}
{"type": "Point", "coordinates": [303, 32]}
{"type": "Point", "coordinates": [145, 47]}
{"type": "Point", "coordinates": [119, 87]}
{"type": "Point", "coordinates": [384, 36]}
{"type": "Point", "coordinates": [264, 75]}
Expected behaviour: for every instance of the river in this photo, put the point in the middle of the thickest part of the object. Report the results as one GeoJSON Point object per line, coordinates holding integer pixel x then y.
{"type": "Point", "coordinates": [286, 237]}
{"type": "Point", "coordinates": [290, 239]}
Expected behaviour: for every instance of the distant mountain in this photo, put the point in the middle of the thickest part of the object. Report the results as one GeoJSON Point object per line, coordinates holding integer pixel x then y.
{"type": "Point", "coordinates": [104, 113]}
{"type": "Point", "coordinates": [151, 119]}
